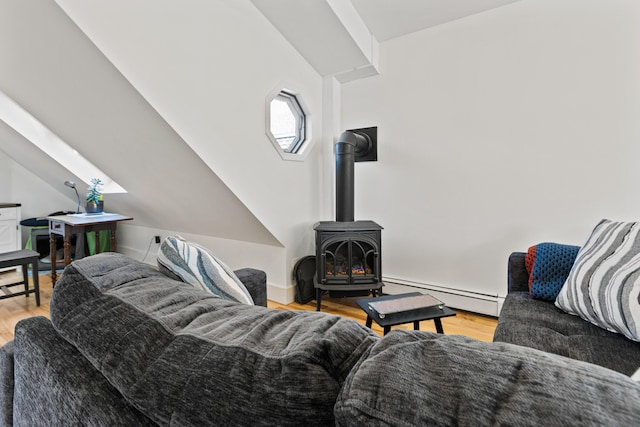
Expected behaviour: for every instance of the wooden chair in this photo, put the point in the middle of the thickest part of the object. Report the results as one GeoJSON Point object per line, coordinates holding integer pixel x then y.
{"type": "Point", "coordinates": [21, 258]}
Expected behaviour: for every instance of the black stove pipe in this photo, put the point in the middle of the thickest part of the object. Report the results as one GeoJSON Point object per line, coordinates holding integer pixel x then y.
{"type": "Point", "coordinates": [348, 145]}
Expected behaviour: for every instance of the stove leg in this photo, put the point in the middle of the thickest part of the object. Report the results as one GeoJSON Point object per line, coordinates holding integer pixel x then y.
{"type": "Point", "coordinates": [318, 298]}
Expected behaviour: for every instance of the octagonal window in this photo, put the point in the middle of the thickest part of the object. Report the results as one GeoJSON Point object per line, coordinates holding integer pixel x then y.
{"type": "Point", "coordinates": [286, 124]}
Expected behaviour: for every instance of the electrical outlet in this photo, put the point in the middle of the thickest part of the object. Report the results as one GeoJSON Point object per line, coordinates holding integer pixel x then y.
{"type": "Point", "coordinates": [157, 239]}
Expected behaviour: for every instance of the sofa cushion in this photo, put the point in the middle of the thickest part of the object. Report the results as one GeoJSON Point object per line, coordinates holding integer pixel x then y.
{"type": "Point", "coordinates": [198, 266]}
{"type": "Point", "coordinates": [57, 386]}
{"type": "Point", "coordinates": [548, 265]}
{"type": "Point", "coordinates": [540, 324]}
{"type": "Point", "coordinates": [604, 284]}
{"type": "Point", "coordinates": [182, 356]}
{"type": "Point", "coordinates": [449, 380]}
{"type": "Point", "coordinates": [256, 283]}
{"type": "Point", "coordinates": [6, 384]}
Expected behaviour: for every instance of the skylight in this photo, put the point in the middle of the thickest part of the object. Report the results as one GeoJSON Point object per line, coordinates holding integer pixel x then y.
{"type": "Point", "coordinates": [43, 138]}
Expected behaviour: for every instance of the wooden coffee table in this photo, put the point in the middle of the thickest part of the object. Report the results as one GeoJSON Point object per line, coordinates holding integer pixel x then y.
{"type": "Point", "coordinates": [415, 316]}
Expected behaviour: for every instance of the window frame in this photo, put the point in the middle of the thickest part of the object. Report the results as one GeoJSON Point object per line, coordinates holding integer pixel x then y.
{"type": "Point", "coordinates": [298, 149]}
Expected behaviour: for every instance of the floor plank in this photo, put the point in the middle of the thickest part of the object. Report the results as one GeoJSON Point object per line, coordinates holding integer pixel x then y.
{"type": "Point", "coordinates": [12, 310]}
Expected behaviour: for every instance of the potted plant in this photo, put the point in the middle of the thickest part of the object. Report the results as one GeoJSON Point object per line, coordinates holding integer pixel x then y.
{"type": "Point", "coordinates": [95, 204]}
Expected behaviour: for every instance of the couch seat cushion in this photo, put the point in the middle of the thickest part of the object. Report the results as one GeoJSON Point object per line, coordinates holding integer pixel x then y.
{"type": "Point", "coordinates": [541, 325]}
{"type": "Point", "coordinates": [423, 379]}
{"type": "Point", "coordinates": [184, 357]}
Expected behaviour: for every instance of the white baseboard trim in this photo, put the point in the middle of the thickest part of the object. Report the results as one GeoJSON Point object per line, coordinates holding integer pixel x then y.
{"type": "Point", "coordinates": [500, 302]}
{"type": "Point", "coordinates": [454, 298]}
{"type": "Point", "coordinates": [280, 294]}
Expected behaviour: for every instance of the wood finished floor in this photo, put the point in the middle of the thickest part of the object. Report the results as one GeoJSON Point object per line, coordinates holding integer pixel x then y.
{"type": "Point", "coordinates": [12, 310]}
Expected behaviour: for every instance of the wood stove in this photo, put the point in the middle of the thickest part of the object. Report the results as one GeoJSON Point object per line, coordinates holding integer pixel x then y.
{"type": "Point", "coordinates": [348, 257]}
{"type": "Point", "coordinates": [348, 252]}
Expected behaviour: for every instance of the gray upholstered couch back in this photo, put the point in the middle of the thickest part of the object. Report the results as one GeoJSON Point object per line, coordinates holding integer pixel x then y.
{"type": "Point", "coordinates": [128, 346]}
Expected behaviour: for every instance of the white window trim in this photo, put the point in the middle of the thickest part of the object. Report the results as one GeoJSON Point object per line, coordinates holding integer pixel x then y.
{"type": "Point", "coordinates": [307, 143]}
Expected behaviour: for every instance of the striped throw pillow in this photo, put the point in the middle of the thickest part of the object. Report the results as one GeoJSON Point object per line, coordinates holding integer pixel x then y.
{"type": "Point", "coordinates": [196, 265]}
{"type": "Point", "coordinates": [603, 286]}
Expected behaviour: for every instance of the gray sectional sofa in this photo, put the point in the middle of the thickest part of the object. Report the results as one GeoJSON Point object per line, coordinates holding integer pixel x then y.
{"type": "Point", "coordinates": [128, 346]}
{"type": "Point", "coordinates": [541, 325]}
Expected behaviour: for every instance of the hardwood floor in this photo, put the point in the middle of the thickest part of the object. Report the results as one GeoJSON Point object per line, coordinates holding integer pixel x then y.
{"type": "Point", "coordinates": [464, 323]}
{"type": "Point", "coordinates": [12, 310]}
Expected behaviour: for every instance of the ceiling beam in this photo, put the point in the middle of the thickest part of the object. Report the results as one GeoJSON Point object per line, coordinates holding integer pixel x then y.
{"type": "Point", "coordinates": [329, 34]}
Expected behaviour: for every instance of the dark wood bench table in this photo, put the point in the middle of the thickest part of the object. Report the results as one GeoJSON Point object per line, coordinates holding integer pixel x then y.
{"type": "Point", "coordinates": [416, 316]}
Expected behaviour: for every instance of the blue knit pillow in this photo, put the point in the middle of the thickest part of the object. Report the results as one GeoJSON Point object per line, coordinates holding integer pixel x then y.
{"type": "Point", "coordinates": [196, 265]}
{"type": "Point", "coordinates": [549, 265]}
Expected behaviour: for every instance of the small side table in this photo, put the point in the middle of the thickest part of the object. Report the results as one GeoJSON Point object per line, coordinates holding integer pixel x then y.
{"type": "Point", "coordinates": [415, 316]}
{"type": "Point", "coordinates": [66, 225]}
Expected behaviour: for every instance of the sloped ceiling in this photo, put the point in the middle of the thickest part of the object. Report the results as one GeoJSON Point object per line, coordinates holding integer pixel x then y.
{"type": "Point", "coordinates": [329, 36]}
{"type": "Point", "coordinates": [390, 19]}
{"type": "Point", "coordinates": [53, 71]}
{"type": "Point", "coordinates": [340, 37]}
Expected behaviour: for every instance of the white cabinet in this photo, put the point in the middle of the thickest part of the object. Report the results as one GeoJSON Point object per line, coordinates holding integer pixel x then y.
{"type": "Point", "coordinates": [10, 236]}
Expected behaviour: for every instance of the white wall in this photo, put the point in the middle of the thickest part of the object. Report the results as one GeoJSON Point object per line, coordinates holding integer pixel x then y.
{"type": "Point", "coordinates": [85, 101]}
{"type": "Point", "coordinates": [234, 253]}
{"type": "Point", "coordinates": [5, 179]}
{"type": "Point", "coordinates": [497, 132]}
{"type": "Point", "coordinates": [38, 198]}
{"type": "Point", "coordinates": [207, 67]}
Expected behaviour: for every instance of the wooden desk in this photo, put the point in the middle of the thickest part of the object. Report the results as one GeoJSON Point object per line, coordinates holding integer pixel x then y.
{"type": "Point", "coordinates": [66, 225]}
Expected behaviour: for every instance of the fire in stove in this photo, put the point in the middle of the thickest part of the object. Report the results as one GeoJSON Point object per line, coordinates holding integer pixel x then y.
{"type": "Point", "coordinates": [341, 268]}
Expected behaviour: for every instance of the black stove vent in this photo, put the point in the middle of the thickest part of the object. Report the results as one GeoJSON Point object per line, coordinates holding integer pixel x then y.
{"type": "Point", "coordinates": [357, 145]}
{"type": "Point", "coordinates": [348, 252]}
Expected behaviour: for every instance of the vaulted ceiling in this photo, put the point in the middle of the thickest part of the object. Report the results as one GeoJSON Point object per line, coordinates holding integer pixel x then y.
{"type": "Point", "coordinates": [388, 19]}
{"type": "Point", "coordinates": [50, 62]}
{"type": "Point", "coordinates": [57, 74]}
{"type": "Point", "coordinates": [341, 37]}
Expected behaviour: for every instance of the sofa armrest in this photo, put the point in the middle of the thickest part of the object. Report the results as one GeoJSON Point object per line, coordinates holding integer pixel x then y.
{"type": "Point", "coordinates": [6, 384]}
{"type": "Point", "coordinates": [517, 276]}
{"type": "Point", "coordinates": [256, 283]}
